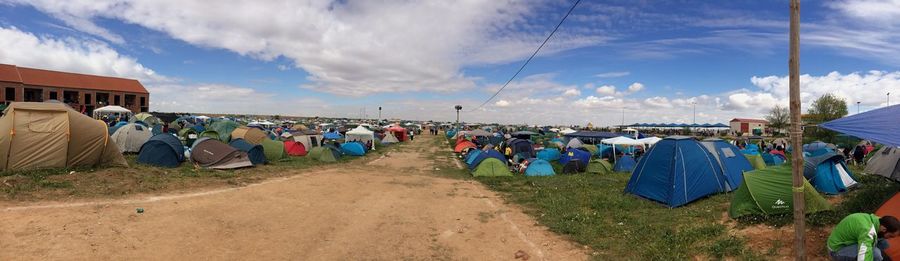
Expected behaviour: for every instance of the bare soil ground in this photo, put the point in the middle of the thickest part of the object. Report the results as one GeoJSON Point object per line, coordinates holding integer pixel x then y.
{"type": "Point", "coordinates": [390, 208]}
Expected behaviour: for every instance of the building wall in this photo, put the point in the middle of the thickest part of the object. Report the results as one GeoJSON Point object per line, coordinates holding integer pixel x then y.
{"type": "Point", "coordinates": [81, 96]}
{"type": "Point", "coordinates": [736, 127]}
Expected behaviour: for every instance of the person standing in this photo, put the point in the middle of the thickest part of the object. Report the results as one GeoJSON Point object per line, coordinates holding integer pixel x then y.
{"type": "Point", "coordinates": [859, 236]}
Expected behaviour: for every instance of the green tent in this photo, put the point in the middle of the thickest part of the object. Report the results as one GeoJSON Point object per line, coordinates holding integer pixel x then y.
{"type": "Point", "coordinates": [756, 161]}
{"type": "Point", "coordinates": [188, 136]}
{"type": "Point", "coordinates": [591, 148]}
{"type": "Point", "coordinates": [599, 166]}
{"type": "Point", "coordinates": [321, 154]}
{"type": "Point", "coordinates": [274, 150]}
{"type": "Point", "coordinates": [768, 192]}
{"type": "Point", "coordinates": [210, 134]}
{"type": "Point", "coordinates": [492, 167]}
{"type": "Point", "coordinates": [224, 128]}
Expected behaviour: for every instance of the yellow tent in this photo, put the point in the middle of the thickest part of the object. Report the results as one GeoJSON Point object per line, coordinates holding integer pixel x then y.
{"type": "Point", "coordinates": [37, 135]}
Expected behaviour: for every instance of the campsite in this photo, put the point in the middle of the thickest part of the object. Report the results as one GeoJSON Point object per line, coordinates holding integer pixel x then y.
{"type": "Point", "coordinates": [449, 130]}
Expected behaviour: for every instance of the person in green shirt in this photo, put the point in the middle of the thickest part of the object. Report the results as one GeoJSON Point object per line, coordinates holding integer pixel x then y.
{"type": "Point", "coordinates": [860, 236]}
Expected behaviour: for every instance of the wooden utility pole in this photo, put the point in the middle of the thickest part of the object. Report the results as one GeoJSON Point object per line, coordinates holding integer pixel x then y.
{"type": "Point", "coordinates": [797, 134]}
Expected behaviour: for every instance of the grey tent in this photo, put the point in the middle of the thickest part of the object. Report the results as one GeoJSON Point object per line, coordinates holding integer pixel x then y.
{"type": "Point", "coordinates": [885, 162]}
{"type": "Point", "coordinates": [214, 154]}
{"type": "Point", "coordinates": [575, 143]}
{"type": "Point", "coordinates": [131, 137]}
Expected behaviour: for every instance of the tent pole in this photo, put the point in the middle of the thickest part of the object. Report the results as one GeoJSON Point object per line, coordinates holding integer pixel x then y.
{"type": "Point", "coordinates": [796, 133]}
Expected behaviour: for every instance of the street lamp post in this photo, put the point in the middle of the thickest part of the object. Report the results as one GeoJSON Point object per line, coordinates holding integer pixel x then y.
{"type": "Point", "coordinates": [458, 107]}
{"type": "Point", "coordinates": [857, 107]}
{"type": "Point", "coordinates": [888, 99]}
{"type": "Point", "coordinates": [694, 103]}
{"type": "Point", "coordinates": [379, 115]}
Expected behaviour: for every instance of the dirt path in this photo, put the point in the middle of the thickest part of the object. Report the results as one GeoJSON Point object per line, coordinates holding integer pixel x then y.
{"type": "Point", "coordinates": [387, 209]}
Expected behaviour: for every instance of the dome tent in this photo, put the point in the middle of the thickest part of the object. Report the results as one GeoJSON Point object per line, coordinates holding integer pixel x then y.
{"type": "Point", "coordinates": [255, 153]}
{"type": "Point", "coordinates": [163, 150]}
{"type": "Point", "coordinates": [539, 167]}
{"type": "Point", "coordinates": [251, 135]}
{"type": "Point", "coordinates": [52, 135]}
{"type": "Point", "coordinates": [768, 192]}
{"type": "Point", "coordinates": [353, 149]}
{"type": "Point", "coordinates": [728, 159]}
{"type": "Point", "coordinates": [131, 137]}
{"type": "Point", "coordinates": [828, 173]}
{"type": "Point", "coordinates": [294, 148]}
{"type": "Point", "coordinates": [224, 128]}
{"type": "Point", "coordinates": [274, 150]}
{"type": "Point", "coordinates": [885, 162]}
{"type": "Point", "coordinates": [492, 167]}
{"type": "Point", "coordinates": [325, 154]}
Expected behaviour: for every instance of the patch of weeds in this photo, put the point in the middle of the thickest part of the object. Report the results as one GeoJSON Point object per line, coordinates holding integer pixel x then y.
{"type": "Point", "coordinates": [485, 217]}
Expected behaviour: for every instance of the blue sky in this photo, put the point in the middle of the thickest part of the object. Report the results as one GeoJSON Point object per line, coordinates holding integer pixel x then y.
{"type": "Point", "coordinates": [654, 59]}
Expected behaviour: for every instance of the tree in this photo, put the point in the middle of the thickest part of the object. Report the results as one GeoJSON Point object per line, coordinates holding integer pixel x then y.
{"type": "Point", "coordinates": [779, 118]}
{"type": "Point", "coordinates": [826, 108]}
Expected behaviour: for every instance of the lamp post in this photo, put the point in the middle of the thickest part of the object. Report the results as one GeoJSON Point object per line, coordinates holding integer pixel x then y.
{"type": "Point", "coordinates": [379, 115]}
{"type": "Point", "coordinates": [623, 117]}
{"type": "Point", "coordinates": [888, 99]}
{"type": "Point", "coordinates": [857, 107]}
{"type": "Point", "coordinates": [694, 104]}
{"type": "Point", "coordinates": [458, 107]}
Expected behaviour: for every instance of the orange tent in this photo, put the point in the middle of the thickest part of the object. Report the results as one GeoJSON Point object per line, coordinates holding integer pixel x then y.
{"type": "Point", "coordinates": [463, 145]}
{"type": "Point", "coordinates": [399, 132]}
{"type": "Point", "coordinates": [891, 208]}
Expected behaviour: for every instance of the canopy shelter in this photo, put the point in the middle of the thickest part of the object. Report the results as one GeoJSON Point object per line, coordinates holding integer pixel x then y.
{"type": "Point", "coordinates": [621, 140]}
{"type": "Point", "coordinates": [360, 134]}
{"type": "Point", "coordinates": [567, 131]}
{"type": "Point", "coordinates": [112, 110]}
{"type": "Point", "coordinates": [649, 141]}
{"type": "Point", "coordinates": [879, 125]}
{"type": "Point", "coordinates": [38, 135]}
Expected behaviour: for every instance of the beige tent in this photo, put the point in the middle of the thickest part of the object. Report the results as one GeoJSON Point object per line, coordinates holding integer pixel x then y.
{"type": "Point", "coordinates": [131, 137]}
{"type": "Point", "coordinates": [309, 138]}
{"type": "Point", "coordinates": [52, 135]}
{"type": "Point", "coordinates": [251, 135]}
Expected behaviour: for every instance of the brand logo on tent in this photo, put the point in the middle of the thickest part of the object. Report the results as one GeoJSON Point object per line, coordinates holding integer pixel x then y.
{"type": "Point", "coordinates": [779, 204]}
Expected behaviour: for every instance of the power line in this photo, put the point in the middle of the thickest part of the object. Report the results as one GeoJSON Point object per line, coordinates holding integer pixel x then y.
{"type": "Point", "coordinates": [531, 57]}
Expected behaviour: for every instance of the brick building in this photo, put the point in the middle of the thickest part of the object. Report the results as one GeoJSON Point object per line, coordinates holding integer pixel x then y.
{"type": "Point", "coordinates": [81, 91]}
{"type": "Point", "coordinates": [747, 126]}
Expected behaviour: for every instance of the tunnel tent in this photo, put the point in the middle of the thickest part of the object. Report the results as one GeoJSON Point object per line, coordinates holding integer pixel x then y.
{"type": "Point", "coordinates": [214, 154]}
{"type": "Point", "coordinates": [52, 135]}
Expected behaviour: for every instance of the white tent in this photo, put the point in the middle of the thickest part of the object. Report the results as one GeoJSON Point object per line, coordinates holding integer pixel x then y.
{"type": "Point", "coordinates": [360, 133]}
{"type": "Point", "coordinates": [567, 131]}
{"type": "Point", "coordinates": [621, 140]}
{"type": "Point", "coordinates": [111, 109]}
{"type": "Point", "coordinates": [650, 140]}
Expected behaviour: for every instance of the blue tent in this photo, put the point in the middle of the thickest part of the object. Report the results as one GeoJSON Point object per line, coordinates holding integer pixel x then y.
{"type": "Point", "coordinates": [522, 146]}
{"type": "Point", "coordinates": [772, 159]}
{"type": "Point", "coordinates": [255, 152]}
{"type": "Point", "coordinates": [751, 149]}
{"type": "Point", "coordinates": [539, 167]}
{"type": "Point", "coordinates": [549, 154]}
{"type": "Point", "coordinates": [676, 171]}
{"type": "Point", "coordinates": [578, 154]}
{"type": "Point", "coordinates": [353, 149]}
{"type": "Point", "coordinates": [471, 156]}
{"type": "Point", "coordinates": [332, 135]}
{"type": "Point", "coordinates": [163, 150]}
{"type": "Point", "coordinates": [814, 146]}
{"type": "Point", "coordinates": [116, 127]}
{"type": "Point", "coordinates": [879, 125]}
{"type": "Point", "coordinates": [624, 164]}
{"type": "Point", "coordinates": [199, 128]}
{"type": "Point", "coordinates": [828, 173]}
{"type": "Point", "coordinates": [487, 154]}
{"type": "Point", "coordinates": [729, 159]}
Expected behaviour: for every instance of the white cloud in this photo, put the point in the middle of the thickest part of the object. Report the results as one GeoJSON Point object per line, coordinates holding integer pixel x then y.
{"type": "Point", "coordinates": [69, 54]}
{"type": "Point", "coordinates": [606, 90]}
{"type": "Point", "coordinates": [635, 87]}
{"type": "Point", "coordinates": [595, 102]}
{"type": "Point", "coordinates": [347, 47]}
{"type": "Point", "coordinates": [612, 74]}
{"type": "Point", "coordinates": [572, 92]}
{"type": "Point", "coordinates": [658, 102]}
{"type": "Point", "coordinates": [282, 67]}
{"type": "Point", "coordinates": [870, 88]}
{"type": "Point", "coordinates": [502, 103]}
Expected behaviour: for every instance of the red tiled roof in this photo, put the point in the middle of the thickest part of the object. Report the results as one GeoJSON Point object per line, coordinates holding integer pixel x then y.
{"type": "Point", "coordinates": [750, 120]}
{"type": "Point", "coordinates": [31, 76]}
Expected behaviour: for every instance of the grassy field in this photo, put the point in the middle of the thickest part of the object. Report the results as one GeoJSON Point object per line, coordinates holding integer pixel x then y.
{"type": "Point", "coordinates": [594, 211]}
{"type": "Point", "coordinates": [85, 182]}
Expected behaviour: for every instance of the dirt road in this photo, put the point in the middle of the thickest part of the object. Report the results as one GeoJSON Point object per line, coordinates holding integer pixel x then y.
{"type": "Point", "coordinates": [386, 209]}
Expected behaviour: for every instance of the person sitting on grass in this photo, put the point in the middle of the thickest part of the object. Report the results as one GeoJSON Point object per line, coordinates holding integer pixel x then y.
{"type": "Point", "coordinates": [861, 236]}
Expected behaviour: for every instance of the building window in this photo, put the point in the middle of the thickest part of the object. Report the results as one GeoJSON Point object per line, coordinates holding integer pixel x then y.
{"type": "Point", "coordinates": [116, 100]}
{"type": "Point", "coordinates": [102, 99]}
{"type": "Point", "coordinates": [10, 94]}
{"type": "Point", "coordinates": [53, 96]}
{"type": "Point", "coordinates": [129, 100]}
{"type": "Point", "coordinates": [71, 97]}
{"type": "Point", "coordinates": [34, 95]}
{"type": "Point", "coordinates": [143, 101]}
{"type": "Point", "coordinates": [87, 98]}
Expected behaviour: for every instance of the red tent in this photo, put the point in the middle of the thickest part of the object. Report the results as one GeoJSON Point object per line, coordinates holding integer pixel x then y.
{"type": "Point", "coordinates": [463, 145]}
{"type": "Point", "coordinates": [399, 132]}
{"type": "Point", "coordinates": [294, 148]}
{"type": "Point", "coordinates": [891, 208]}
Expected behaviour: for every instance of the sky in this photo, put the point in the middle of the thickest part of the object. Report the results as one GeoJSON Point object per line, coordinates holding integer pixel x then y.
{"type": "Point", "coordinates": [610, 62]}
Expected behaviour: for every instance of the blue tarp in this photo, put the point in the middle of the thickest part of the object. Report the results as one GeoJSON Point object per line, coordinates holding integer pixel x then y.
{"type": "Point", "coordinates": [539, 167]}
{"type": "Point", "coordinates": [676, 171]}
{"type": "Point", "coordinates": [164, 150]}
{"type": "Point", "coordinates": [879, 125]}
